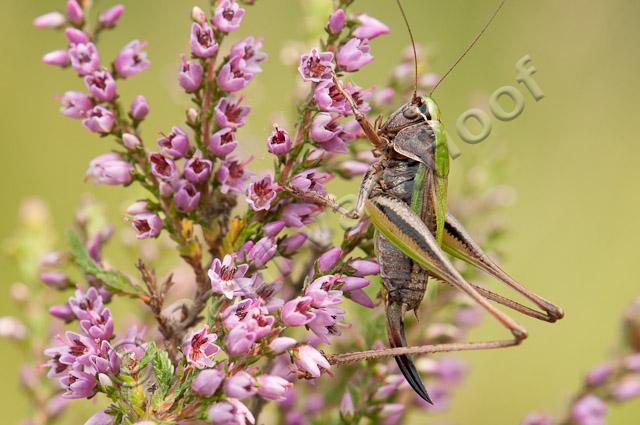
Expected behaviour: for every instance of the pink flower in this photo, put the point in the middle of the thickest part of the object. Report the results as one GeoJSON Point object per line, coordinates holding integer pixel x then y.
{"type": "Point", "coordinates": [282, 344]}
{"type": "Point", "coordinates": [50, 20]}
{"type": "Point", "coordinates": [354, 55]}
{"type": "Point", "coordinates": [185, 197]}
{"type": "Point", "coordinates": [233, 75]}
{"type": "Point", "coordinates": [75, 14]}
{"type": "Point", "coordinates": [261, 193]}
{"type": "Point", "coordinates": [57, 58]}
{"type": "Point", "coordinates": [297, 215]}
{"type": "Point", "coordinates": [84, 58]}
{"type": "Point", "coordinates": [229, 113]}
{"type": "Point", "coordinates": [589, 410]}
{"type": "Point", "coordinates": [175, 144]}
{"type": "Point", "coordinates": [227, 278]}
{"type": "Point", "coordinates": [241, 385]}
{"type": "Point", "coordinates": [162, 167]}
{"type": "Point", "coordinates": [139, 108]}
{"type": "Point", "coordinates": [227, 16]}
{"type": "Point", "coordinates": [101, 85]}
{"type": "Point", "coordinates": [146, 225]}
{"type": "Point", "coordinates": [337, 21]}
{"type": "Point", "coordinates": [297, 312]}
{"type": "Point", "coordinates": [76, 36]}
{"type": "Point", "coordinates": [75, 104]}
{"type": "Point", "coordinates": [369, 28]}
{"type": "Point", "coordinates": [310, 360]}
{"type": "Point", "coordinates": [291, 244]}
{"type": "Point", "coordinates": [241, 338]}
{"type": "Point", "coordinates": [199, 348]}
{"type": "Point", "coordinates": [249, 50]}
{"type": "Point", "coordinates": [537, 419]}
{"type": "Point", "coordinates": [132, 59]}
{"type": "Point", "coordinates": [230, 412]}
{"type": "Point", "coordinates": [233, 175]}
{"type": "Point", "coordinates": [262, 251]}
{"type": "Point", "coordinates": [316, 66]}
{"type": "Point", "coordinates": [196, 169]}
{"type": "Point", "coordinates": [279, 142]}
{"type": "Point", "coordinates": [328, 133]}
{"type": "Point", "coordinates": [202, 41]}
{"type": "Point", "coordinates": [329, 259]}
{"type": "Point", "coordinates": [110, 169]}
{"type": "Point", "coordinates": [273, 387]}
{"type": "Point", "coordinates": [311, 180]}
{"type": "Point", "coordinates": [223, 142]}
{"type": "Point", "coordinates": [109, 18]}
{"type": "Point", "coordinates": [207, 382]}
{"type": "Point", "coordinates": [190, 76]}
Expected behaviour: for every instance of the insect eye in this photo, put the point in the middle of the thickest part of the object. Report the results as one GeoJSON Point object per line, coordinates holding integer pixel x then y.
{"type": "Point", "coordinates": [410, 113]}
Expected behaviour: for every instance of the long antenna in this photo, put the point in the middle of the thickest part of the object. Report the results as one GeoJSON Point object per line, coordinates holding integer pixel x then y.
{"type": "Point", "coordinates": [415, 54]}
{"type": "Point", "coordinates": [470, 46]}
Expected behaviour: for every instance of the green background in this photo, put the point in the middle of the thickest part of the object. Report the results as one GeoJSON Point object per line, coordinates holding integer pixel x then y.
{"type": "Point", "coordinates": [572, 157]}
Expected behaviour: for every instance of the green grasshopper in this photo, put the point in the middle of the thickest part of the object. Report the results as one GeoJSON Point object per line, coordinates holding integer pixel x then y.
{"type": "Point", "coordinates": [405, 196]}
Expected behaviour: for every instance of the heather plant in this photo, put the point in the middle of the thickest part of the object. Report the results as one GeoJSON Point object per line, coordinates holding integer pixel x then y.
{"type": "Point", "coordinates": [272, 287]}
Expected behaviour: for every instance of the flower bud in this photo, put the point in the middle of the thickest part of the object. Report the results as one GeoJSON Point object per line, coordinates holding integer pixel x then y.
{"type": "Point", "coordinates": [75, 14]}
{"type": "Point", "coordinates": [76, 36]}
{"type": "Point", "coordinates": [50, 20]}
{"type": "Point", "coordinates": [138, 207]}
{"type": "Point", "coordinates": [130, 141]}
{"type": "Point", "coordinates": [365, 267]}
{"type": "Point", "coordinates": [56, 280]}
{"type": "Point", "coordinates": [57, 58]}
{"type": "Point", "coordinates": [105, 381]}
{"type": "Point", "coordinates": [329, 259]}
{"type": "Point", "coordinates": [207, 382]}
{"type": "Point", "coordinates": [139, 108]}
{"type": "Point", "coordinates": [192, 116]}
{"type": "Point", "coordinates": [282, 344]}
{"type": "Point", "coordinates": [336, 21]}
{"type": "Point", "coordinates": [109, 18]}
{"type": "Point", "coordinates": [198, 14]}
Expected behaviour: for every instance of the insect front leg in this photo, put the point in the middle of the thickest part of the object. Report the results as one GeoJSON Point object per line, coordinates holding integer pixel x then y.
{"type": "Point", "coordinates": [366, 125]}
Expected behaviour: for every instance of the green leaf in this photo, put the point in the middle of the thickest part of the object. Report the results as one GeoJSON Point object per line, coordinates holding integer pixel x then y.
{"type": "Point", "coordinates": [113, 280]}
{"type": "Point", "coordinates": [149, 353]}
{"type": "Point", "coordinates": [163, 370]}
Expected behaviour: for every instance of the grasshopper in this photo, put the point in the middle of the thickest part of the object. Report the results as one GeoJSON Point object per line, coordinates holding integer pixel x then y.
{"type": "Point", "coordinates": [404, 194]}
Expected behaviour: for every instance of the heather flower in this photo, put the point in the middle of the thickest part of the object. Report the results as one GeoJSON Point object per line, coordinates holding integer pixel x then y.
{"type": "Point", "coordinates": [132, 59]}
{"type": "Point", "coordinates": [282, 344]}
{"type": "Point", "coordinates": [365, 267]}
{"type": "Point", "coordinates": [360, 297]}
{"type": "Point", "coordinates": [56, 280]}
{"type": "Point", "coordinates": [261, 193]}
{"type": "Point", "coordinates": [50, 20]}
{"type": "Point", "coordinates": [57, 58]}
{"type": "Point", "coordinates": [589, 410]}
{"type": "Point", "coordinates": [329, 259]}
{"type": "Point", "coordinates": [297, 215]}
{"type": "Point", "coordinates": [227, 278]}
{"type": "Point", "coordinates": [62, 312]}
{"type": "Point", "coordinates": [241, 338]}
{"type": "Point", "coordinates": [273, 387]}
{"type": "Point", "coordinates": [383, 96]}
{"type": "Point", "coordinates": [11, 327]}
{"type": "Point", "coordinates": [272, 229]}
{"type": "Point", "coordinates": [101, 85]}
{"type": "Point", "coordinates": [199, 348]}
{"type": "Point", "coordinates": [196, 169]}
{"type": "Point", "coordinates": [109, 18]}
{"type": "Point", "coordinates": [233, 75]}
{"type": "Point", "coordinates": [310, 360]}
{"type": "Point", "coordinates": [328, 133]}
{"type": "Point", "coordinates": [369, 28]}
{"type": "Point", "coordinates": [139, 108]}
{"type": "Point", "coordinates": [262, 251]}
{"type": "Point", "coordinates": [311, 180]}
{"type": "Point", "coordinates": [297, 312]}
{"type": "Point", "coordinates": [175, 144]}
{"type": "Point", "coordinates": [207, 382]}
{"type": "Point", "coordinates": [337, 21]}
{"type": "Point", "coordinates": [230, 411]}
{"type": "Point", "coordinates": [75, 104]}
{"type": "Point", "coordinates": [316, 66]}
{"type": "Point", "coordinates": [329, 98]}
{"type": "Point", "coordinates": [76, 36]}
{"type": "Point", "coordinates": [100, 418]}
{"type": "Point", "coordinates": [203, 43]}
{"type": "Point", "coordinates": [599, 374]}
{"type": "Point", "coordinates": [110, 169]}
{"type": "Point", "coordinates": [279, 142]}
{"type": "Point", "coordinates": [354, 55]}
{"type": "Point", "coordinates": [233, 175]}
{"type": "Point", "coordinates": [130, 141]}
{"type": "Point", "coordinates": [249, 50]}
{"type": "Point", "coordinates": [229, 113]}
{"type": "Point", "coordinates": [627, 389]}
{"type": "Point", "coordinates": [146, 225]}
{"type": "Point", "coordinates": [241, 385]}
{"type": "Point", "coordinates": [84, 58]}
{"type": "Point", "coordinates": [346, 407]}
{"type": "Point", "coordinates": [227, 16]}
{"type": "Point", "coordinates": [291, 244]}
{"type": "Point", "coordinates": [78, 384]}
{"type": "Point", "coordinates": [190, 76]}
{"type": "Point", "coordinates": [162, 167]}
{"type": "Point", "coordinates": [186, 197]}
{"type": "Point", "coordinates": [223, 142]}
{"type": "Point", "coordinates": [537, 419]}
{"type": "Point", "coordinates": [75, 14]}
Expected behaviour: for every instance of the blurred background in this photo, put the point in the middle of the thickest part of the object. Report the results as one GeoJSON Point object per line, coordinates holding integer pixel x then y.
{"type": "Point", "coordinates": [571, 157]}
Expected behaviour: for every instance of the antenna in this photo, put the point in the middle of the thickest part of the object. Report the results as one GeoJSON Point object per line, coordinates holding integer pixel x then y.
{"type": "Point", "coordinates": [470, 46]}
{"type": "Point", "coordinates": [415, 54]}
